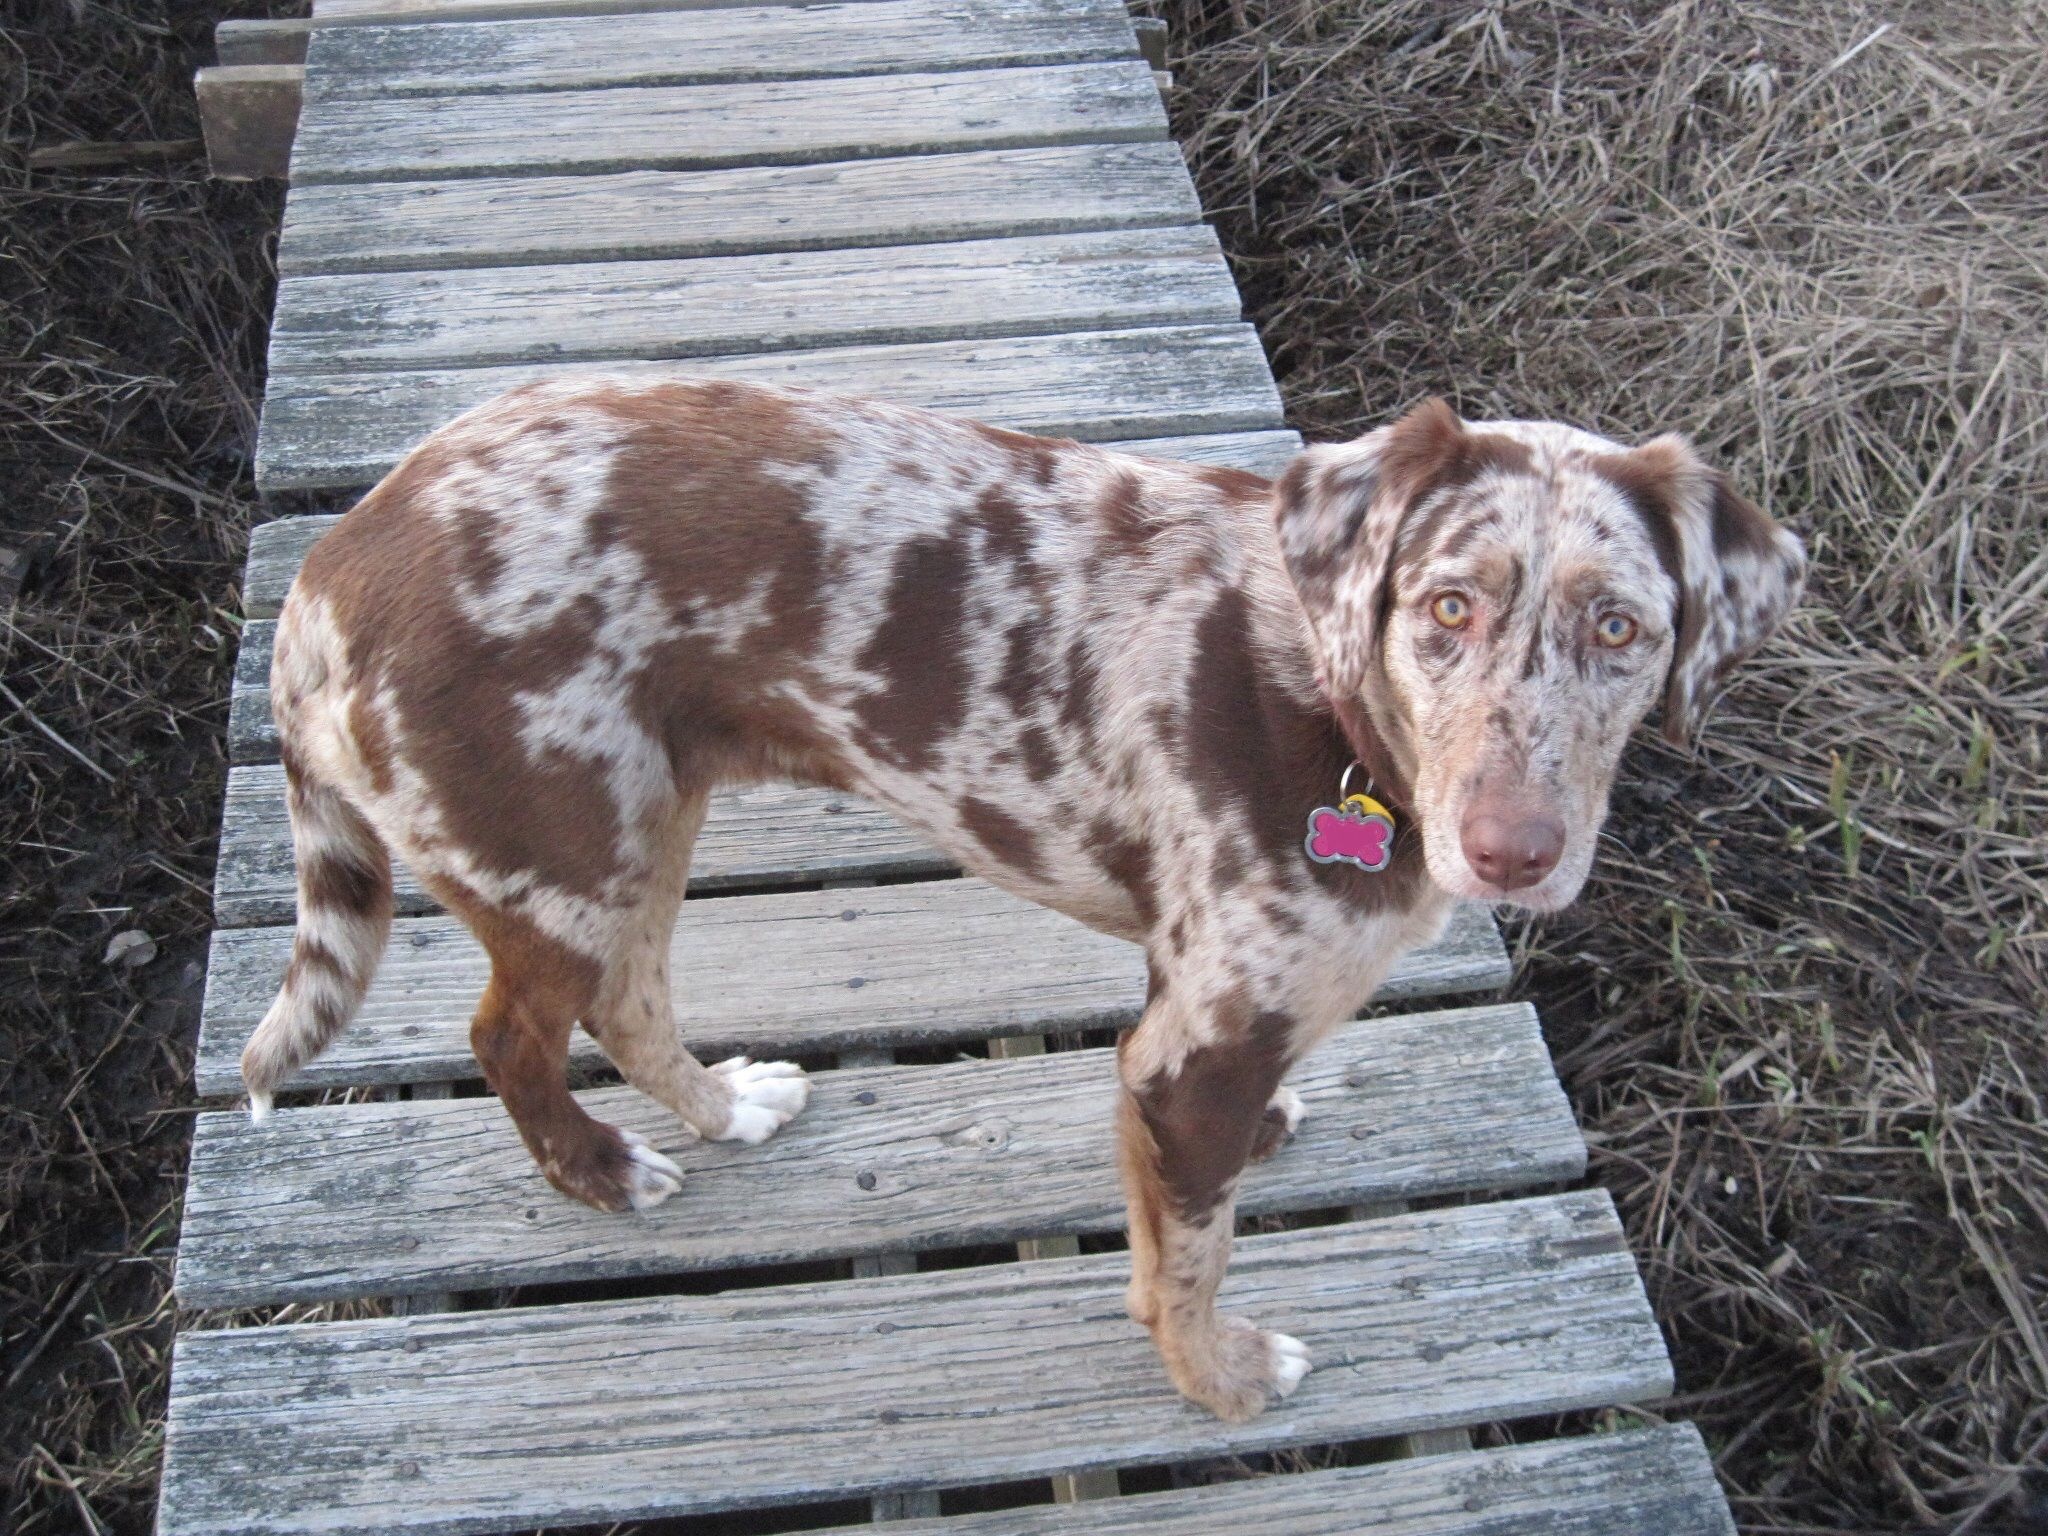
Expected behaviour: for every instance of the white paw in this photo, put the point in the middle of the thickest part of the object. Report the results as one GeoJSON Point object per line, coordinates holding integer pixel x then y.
{"type": "Point", "coordinates": [1290, 1362]}
{"type": "Point", "coordinates": [766, 1096]}
{"type": "Point", "coordinates": [651, 1178]}
{"type": "Point", "coordinates": [1292, 1110]}
{"type": "Point", "coordinates": [260, 1106]}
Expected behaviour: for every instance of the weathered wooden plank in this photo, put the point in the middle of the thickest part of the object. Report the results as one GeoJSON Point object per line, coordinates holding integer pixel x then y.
{"type": "Point", "coordinates": [702, 127]}
{"type": "Point", "coordinates": [249, 113]}
{"type": "Point", "coordinates": [342, 13]}
{"type": "Point", "coordinates": [670, 1405]}
{"type": "Point", "coordinates": [851, 37]}
{"type": "Point", "coordinates": [1150, 35]}
{"type": "Point", "coordinates": [278, 548]}
{"type": "Point", "coordinates": [642, 213]}
{"type": "Point", "coordinates": [705, 306]}
{"type": "Point", "coordinates": [375, 1199]}
{"type": "Point", "coordinates": [252, 729]}
{"type": "Point", "coordinates": [323, 431]}
{"type": "Point", "coordinates": [869, 967]}
{"type": "Point", "coordinates": [283, 41]}
{"type": "Point", "coordinates": [764, 834]}
{"type": "Point", "coordinates": [1650, 1482]}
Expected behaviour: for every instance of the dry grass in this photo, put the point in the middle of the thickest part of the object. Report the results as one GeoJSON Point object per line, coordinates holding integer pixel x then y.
{"type": "Point", "coordinates": [1801, 1010]}
{"type": "Point", "coordinates": [131, 333]}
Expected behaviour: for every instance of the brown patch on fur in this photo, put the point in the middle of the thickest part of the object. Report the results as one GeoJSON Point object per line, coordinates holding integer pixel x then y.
{"type": "Point", "coordinates": [692, 446]}
{"type": "Point", "coordinates": [1077, 699]}
{"type": "Point", "coordinates": [1035, 748]}
{"type": "Point", "coordinates": [344, 884]}
{"type": "Point", "coordinates": [1019, 683]}
{"type": "Point", "coordinates": [919, 650]}
{"type": "Point", "coordinates": [1034, 458]}
{"type": "Point", "coordinates": [1648, 478]}
{"type": "Point", "coordinates": [1427, 451]}
{"type": "Point", "coordinates": [1002, 834]}
{"type": "Point", "coordinates": [1431, 450]}
{"type": "Point", "coordinates": [460, 711]}
{"type": "Point", "coordinates": [1006, 532]}
{"type": "Point", "coordinates": [1256, 755]}
{"type": "Point", "coordinates": [1120, 513]}
{"type": "Point", "coordinates": [1234, 484]}
{"type": "Point", "coordinates": [1128, 862]}
{"type": "Point", "coordinates": [1204, 1117]}
{"type": "Point", "coordinates": [373, 743]}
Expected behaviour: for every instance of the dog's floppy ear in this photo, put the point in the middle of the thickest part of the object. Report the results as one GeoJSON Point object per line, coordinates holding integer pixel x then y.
{"type": "Point", "coordinates": [1339, 510]}
{"type": "Point", "coordinates": [1737, 572]}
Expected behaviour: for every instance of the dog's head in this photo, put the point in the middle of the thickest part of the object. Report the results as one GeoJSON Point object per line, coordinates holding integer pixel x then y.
{"type": "Point", "coordinates": [1506, 601]}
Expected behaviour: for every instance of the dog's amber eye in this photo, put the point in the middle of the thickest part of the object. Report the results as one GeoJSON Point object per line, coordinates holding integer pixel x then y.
{"type": "Point", "coordinates": [1615, 631]}
{"type": "Point", "coordinates": [1451, 610]}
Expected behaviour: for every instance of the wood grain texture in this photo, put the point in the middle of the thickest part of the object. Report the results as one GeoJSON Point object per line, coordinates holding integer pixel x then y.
{"type": "Point", "coordinates": [702, 127]}
{"type": "Point", "coordinates": [376, 1199]}
{"type": "Point", "coordinates": [342, 13]}
{"type": "Point", "coordinates": [325, 431]}
{"type": "Point", "coordinates": [252, 729]}
{"type": "Point", "coordinates": [687, 47]}
{"type": "Point", "coordinates": [1651, 1482]}
{"type": "Point", "coordinates": [238, 41]}
{"type": "Point", "coordinates": [633, 1409]}
{"type": "Point", "coordinates": [278, 548]}
{"type": "Point", "coordinates": [640, 214]}
{"type": "Point", "coordinates": [706, 306]}
{"type": "Point", "coordinates": [784, 972]}
{"type": "Point", "coordinates": [763, 834]}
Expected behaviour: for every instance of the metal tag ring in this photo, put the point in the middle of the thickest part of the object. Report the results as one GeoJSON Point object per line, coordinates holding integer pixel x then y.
{"type": "Point", "coordinates": [1344, 784]}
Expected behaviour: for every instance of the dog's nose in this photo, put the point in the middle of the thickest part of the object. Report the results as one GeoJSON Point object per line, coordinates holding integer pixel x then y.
{"type": "Point", "coordinates": [1509, 851]}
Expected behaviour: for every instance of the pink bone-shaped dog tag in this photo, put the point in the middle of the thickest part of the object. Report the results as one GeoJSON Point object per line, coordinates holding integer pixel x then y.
{"type": "Point", "coordinates": [1348, 837]}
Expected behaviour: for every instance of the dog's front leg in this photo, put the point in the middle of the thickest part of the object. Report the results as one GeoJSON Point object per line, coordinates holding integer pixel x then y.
{"type": "Point", "coordinates": [1186, 1122]}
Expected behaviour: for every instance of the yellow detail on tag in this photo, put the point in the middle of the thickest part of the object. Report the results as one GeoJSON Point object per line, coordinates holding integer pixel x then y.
{"type": "Point", "coordinates": [1365, 805]}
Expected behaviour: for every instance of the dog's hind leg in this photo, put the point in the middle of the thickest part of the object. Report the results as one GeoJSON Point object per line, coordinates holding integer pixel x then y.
{"type": "Point", "coordinates": [630, 1016]}
{"type": "Point", "coordinates": [537, 990]}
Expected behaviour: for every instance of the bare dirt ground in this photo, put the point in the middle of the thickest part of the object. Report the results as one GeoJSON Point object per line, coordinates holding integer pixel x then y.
{"type": "Point", "coordinates": [1801, 1010]}
{"type": "Point", "coordinates": [133, 300]}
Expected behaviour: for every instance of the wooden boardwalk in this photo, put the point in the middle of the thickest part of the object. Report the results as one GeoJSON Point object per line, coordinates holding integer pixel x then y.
{"type": "Point", "coordinates": [971, 205]}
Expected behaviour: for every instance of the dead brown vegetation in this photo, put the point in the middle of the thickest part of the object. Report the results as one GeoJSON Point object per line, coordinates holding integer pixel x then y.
{"type": "Point", "coordinates": [133, 297]}
{"type": "Point", "coordinates": [1801, 1010]}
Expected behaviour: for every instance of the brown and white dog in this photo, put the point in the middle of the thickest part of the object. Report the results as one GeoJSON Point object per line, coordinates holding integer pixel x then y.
{"type": "Point", "coordinates": [1114, 685]}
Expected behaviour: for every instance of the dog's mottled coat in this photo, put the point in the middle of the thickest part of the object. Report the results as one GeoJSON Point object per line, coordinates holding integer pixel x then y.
{"type": "Point", "coordinates": [1113, 685]}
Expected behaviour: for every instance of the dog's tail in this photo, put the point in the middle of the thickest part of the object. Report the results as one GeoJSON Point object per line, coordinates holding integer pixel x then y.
{"type": "Point", "coordinates": [344, 872]}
